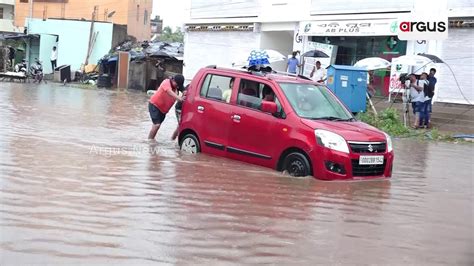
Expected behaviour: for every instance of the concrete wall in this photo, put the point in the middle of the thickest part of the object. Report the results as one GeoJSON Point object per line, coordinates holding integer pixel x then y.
{"type": "Point", "coordinates": [119, 34]}
{"type": "Point", "coordinates": [7, 11]}
{"type": "Point", "coordinates": [33, 51]}
{"type": "Point", "coordinates": [6, 24]}
{"type": "Point", "coordinates": [280, 41]}
{"type": "Point", "coordinates": [224, 8]}
{"type": "Point", "coordinates": [344, 6]}
{"type": "Point", "coordinates": [457, 52]}
{"type": "Point", "coordinates": [73, 9]}
{"type": "Point", "coordinates": [216, 48]}
{"type": "Point", "coordinates": [125, 13]}
{"type": "Point", "coordinates": [138, 76]}
{"type": "Point", "coordinates": [73, 41]}
{"type": "Point", "coordinates": [47, 42]}
{"type": "Point", "coordinates": [138, 24]}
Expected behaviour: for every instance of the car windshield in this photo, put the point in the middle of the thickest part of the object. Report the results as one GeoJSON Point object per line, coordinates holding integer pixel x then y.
{"type": "Point", "coordinates": [315, 102]}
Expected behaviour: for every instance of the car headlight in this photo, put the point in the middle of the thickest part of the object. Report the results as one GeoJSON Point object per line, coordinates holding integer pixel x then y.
{"type": "Point", "coordinates": [331, 140]}
{"type": "Point", "coordinates": [389, 142]}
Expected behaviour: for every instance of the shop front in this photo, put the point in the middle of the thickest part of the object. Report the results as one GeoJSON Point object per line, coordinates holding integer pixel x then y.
{"type": "Point", "coordinates": [353, 40]}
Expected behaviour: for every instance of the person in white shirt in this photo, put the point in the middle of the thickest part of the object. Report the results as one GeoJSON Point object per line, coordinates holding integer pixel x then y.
{"type": "Point", "coordinates": [54, 57]}
{"type": "Point", "coordinates": [417, 97]}
{"type": "Point", "coordinates": [318, 74]}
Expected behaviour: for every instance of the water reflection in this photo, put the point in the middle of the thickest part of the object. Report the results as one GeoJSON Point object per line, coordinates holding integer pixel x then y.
{"type": "Point", "coordinates": [80, 184]}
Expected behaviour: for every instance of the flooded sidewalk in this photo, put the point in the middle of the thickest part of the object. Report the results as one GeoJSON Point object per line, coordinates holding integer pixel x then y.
{"type": "Point", "coordinates": [80, 184]}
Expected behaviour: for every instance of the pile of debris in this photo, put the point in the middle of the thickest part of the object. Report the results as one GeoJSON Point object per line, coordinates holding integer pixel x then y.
{"type": "Point", "coordinates": [150, 63]}
{"type": "Point", "coordinates": [144, 50]}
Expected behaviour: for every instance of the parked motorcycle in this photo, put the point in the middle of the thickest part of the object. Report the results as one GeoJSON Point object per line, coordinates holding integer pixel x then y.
{"type": "Point", "coordinates": [22, 67]}
{"type": "Point", "coordinates": [36, 71]}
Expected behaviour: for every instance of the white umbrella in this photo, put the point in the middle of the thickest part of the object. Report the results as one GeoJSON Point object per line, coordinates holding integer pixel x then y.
{"type": "Point", "coordinates": [412, 60]}
{"type": "Point", "coordinates": [373, 63]}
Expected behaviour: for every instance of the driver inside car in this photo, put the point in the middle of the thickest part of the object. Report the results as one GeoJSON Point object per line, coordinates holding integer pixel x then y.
{"type": "Point", "coordinates": [268, 94]}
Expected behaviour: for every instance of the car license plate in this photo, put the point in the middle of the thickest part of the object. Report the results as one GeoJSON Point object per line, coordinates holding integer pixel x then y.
{"type": "Point", "coordinates": [365, 160]}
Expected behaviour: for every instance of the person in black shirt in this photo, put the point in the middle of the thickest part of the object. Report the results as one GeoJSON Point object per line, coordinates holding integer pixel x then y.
{"type": "Point", "coordinates": [177, 108]}
{"type": "Point", "coordinates": [11, 56]}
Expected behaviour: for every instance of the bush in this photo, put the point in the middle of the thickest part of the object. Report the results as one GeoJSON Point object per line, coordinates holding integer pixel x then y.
{"type": "Point", "coordinates": [388, 120]}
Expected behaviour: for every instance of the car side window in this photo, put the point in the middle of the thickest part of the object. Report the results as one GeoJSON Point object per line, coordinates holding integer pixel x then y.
{"type": "Point", "coordinates": [217, 87]}
{"type": "Point", "coordinates": [249, 92]}
{"type": "Point", "coordinates": [267, 94]}
{"type": "Point", "coordinates": [252, 93]}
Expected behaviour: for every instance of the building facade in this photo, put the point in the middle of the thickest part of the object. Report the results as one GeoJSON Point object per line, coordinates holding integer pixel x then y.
{"type": "Point", "coordinates": [156, 26]}
{"type": "Point", "coordinates": [7, 14]}
{"type": "Point", "coordinates": [133, 13]}
{"type": "Point", "coordinates": [222, 32]}
{"type": "Point", "coordinates": [71, 37]}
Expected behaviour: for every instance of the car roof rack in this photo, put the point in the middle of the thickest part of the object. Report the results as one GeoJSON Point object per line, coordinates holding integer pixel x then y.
{"type": "Point", "coordinates": [262, 71]}
{"type": "Point", "coordinates": [291, 75]}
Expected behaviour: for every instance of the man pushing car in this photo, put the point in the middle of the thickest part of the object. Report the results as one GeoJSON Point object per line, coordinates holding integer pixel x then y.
{"type": "Point", "coordinates": [162, 101]}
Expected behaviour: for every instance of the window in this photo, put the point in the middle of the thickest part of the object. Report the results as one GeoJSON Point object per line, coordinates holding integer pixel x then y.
{"type": "Point", "coordinates": [145, 17]}
{"type": "Point", "coordinates": [314, 102]}
{"type": "Point", "coordinates": [1, 12]}
{"type": "Point", "coordinates": [252, 93]}
{"type": "Point", "coordinates": [138, 12]}
{"type": "Point", "coordinates": [217, 87]}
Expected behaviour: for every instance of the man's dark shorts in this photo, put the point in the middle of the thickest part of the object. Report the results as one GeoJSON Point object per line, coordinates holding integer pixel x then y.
{"type": "Point", "coordinates": [157, 117]}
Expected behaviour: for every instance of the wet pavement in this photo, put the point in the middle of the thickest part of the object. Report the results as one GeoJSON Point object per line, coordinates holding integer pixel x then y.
{"type": "Point", "coordinates": [79, 184]}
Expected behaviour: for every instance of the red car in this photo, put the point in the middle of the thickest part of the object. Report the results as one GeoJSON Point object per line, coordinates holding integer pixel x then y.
{"type": "Point", "coordinates": [287, 123]}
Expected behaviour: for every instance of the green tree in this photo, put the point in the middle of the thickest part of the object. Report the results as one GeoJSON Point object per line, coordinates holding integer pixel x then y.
{"type": "Point", "coordinates": [167, 35]}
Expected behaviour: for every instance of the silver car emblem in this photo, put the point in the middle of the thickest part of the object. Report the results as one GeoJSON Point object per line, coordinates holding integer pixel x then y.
{"type": "Point", "coordinates": [370, 148]}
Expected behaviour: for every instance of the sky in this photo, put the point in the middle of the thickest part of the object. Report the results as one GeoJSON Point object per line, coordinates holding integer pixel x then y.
{"type": "Point", "coordinates": [173, 12]}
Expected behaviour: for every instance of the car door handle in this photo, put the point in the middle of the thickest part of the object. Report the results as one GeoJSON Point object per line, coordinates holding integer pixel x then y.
{"type": "Point", "coordinates": [200, 108]}
{"type": "Point", "coordinates": [236, 117]}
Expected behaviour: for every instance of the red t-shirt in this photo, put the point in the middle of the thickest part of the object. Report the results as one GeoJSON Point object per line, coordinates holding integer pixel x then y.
{"type": "Point", "coordinates": [161, 99]}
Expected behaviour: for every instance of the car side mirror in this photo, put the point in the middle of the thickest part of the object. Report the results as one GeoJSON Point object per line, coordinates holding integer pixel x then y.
{"type": "Point", "coordinates": [269, 107]}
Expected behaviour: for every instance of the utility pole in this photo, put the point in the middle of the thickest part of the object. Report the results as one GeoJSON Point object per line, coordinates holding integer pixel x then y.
{"type": "Point", "coordinates": [94, 14]}
{"type": "Point", "coordinates": [31, 9]}
{"type": "Point", "coordinates": [105, 14]}
{"type": "Point", "coordinates": [45, 12]}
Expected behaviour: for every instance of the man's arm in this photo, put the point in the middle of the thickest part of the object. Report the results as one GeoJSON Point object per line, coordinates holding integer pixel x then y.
{"type": "Point", "coordinates": [174, 95]}
{"type": "Point", "coordinates": [418, 88]}
{"type": "Point", "coordinates": [325, 75]}
{"type": "Point", "coordinates": [312, 72]}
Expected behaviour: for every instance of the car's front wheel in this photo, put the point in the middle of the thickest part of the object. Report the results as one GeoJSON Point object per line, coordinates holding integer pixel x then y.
{"type": "Point", "coordinates": [190, 144]}
{"type": "Point", "coordinates": [296, 164]}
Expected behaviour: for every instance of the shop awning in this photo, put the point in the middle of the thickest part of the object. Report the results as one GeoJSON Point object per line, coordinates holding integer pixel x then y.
{"type": "Point", "coordinates": [374, 27]}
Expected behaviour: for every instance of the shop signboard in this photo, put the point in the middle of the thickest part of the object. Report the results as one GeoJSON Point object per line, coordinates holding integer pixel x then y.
{"type": "Point", "coordinates": [310, 62]}
{"type": "Point", "coordinates": [375, 27]}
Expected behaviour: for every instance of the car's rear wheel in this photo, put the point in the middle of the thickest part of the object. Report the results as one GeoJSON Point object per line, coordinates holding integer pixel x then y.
{"type": "Point", "coordinates": [190, 144]}
{"type": "Point", "coordinates": [296, 164]}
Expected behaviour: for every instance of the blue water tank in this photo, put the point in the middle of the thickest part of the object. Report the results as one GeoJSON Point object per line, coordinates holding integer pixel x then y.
{"type": "Point", "coordinates": [350, 86]}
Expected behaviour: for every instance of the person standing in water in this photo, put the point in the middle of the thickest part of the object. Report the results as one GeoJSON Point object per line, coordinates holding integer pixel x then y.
{"type": "Point", "coordinates": [162, 101]}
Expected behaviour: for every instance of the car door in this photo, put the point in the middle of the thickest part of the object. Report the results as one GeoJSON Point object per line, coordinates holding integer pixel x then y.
{"type": "Point", "coordinates": [251, 137]}
{"type": "Point", "coordinates": [212, 114]}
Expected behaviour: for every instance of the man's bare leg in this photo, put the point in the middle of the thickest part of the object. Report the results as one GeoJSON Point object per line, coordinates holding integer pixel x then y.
{"type": "Point", "coordinates": [153, 131]}
{"type": "Point", "coordinates": [175, 134]}
{"type": "Point", "coordinates": [417, 120]}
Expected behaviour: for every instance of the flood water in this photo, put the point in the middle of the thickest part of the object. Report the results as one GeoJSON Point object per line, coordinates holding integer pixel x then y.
{"type": "Point", "coordinates": [80, 184]}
